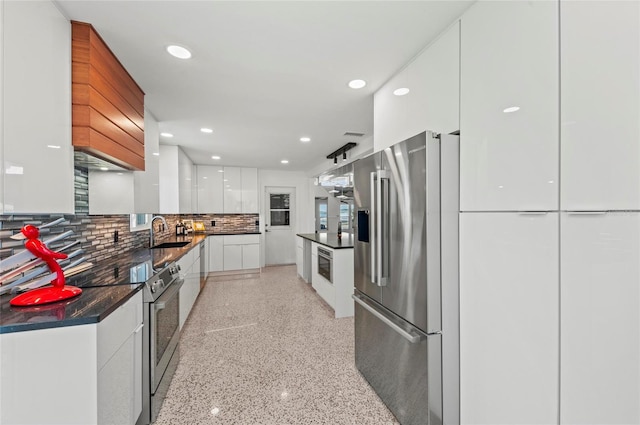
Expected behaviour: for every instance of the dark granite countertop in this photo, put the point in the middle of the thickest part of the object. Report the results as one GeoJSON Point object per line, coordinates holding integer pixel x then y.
{"type": "Point", "coordinates": [330, 239]}
{"type": "Point", "coordinates": [92, 306]}
{"type": "Point", "coordinates": [229, 233]}
{"type": "Point", "coordinates": [106, 286]}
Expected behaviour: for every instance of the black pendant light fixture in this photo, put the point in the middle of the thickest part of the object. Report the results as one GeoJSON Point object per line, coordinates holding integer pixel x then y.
{"type": "Point", "coordinates": [341, 151]}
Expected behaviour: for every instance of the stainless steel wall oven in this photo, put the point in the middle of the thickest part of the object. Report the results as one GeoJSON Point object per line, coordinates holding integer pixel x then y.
{"type": "Point", "coordinates": [325, 264]}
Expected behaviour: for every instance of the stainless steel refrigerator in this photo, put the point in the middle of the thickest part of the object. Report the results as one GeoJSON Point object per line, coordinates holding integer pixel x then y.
{"type": "Point", "coordinates": [406, 277]}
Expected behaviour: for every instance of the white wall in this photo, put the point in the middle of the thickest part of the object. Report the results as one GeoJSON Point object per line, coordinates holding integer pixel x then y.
{"type": "Point", "coordinates": [305, 200]}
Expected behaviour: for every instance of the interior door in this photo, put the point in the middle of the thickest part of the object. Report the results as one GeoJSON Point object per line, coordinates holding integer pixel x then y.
{"type": "Point", "coordinates": [280, 243]}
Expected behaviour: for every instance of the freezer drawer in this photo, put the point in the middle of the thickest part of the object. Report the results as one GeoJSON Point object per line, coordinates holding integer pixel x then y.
{"type": "Point", "coordinates": [402, 364]}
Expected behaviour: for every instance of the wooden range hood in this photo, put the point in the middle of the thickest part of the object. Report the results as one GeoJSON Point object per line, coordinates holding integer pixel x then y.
{"type": "Point", "coordinates": [108, 105]}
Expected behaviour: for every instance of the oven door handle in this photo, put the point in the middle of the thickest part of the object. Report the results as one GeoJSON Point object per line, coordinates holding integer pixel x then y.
{"type": "Point", "coordinates": [161, 302]}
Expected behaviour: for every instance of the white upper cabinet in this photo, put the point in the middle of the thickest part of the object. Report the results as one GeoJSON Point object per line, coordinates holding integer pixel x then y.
{"type": "Point", "coordinates": [434, 81]}
{"type": "Point", "coordinates": [210, 189]}
{"type": "Point", "coordinates": [176, 181]}
{"type": "Point", "coordinates": [146, 183]}
{"type": "Point", "coordinates": [600, 345]}
{"type": "Point", "coordinates": [509, 318]}
{"type": "Point", "coordinates": [600, 105]}
{"type": "Point", "coordinates": [432, 102]}
{"type": "Point", "coordinates": [111, 192]}
{"type": "Point", "coordinates": [232, 190]}
{"type": "Point", "coordinates": [390, 113]}
{"type": "Point", "coordinates": [249, 190]}
{"type": "Point", "coordinates": [36, 92]}
{"type": "Point", "coordinates": [509, 60]}
{"type": "Point", "coordinates": [185, 183]}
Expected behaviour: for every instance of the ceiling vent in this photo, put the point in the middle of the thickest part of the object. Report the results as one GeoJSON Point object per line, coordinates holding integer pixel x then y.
{"type": "Point", "coordinates": [353, 134]}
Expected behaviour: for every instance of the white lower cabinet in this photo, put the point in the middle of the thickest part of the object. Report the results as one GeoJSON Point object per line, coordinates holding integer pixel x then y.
{"type": "Point", "coordinates": [241, 252]}
{"type": "Point", "coordinates": [190, 271]}
{"type": "Point", "coordinates": [85, 374]}
{"type": "Point", "coordinates": [509, 318]}
{"type": "Point", "coordinates": [300, 256]}
{"type": "Point", "coordinates": [216, 253]}
{"type": "Point", "coordinates": [232, 257]}
{"type": "Point", "coordinates": [251, 256]}
{"type": "Point", "coordinates": [600, 345]}
{"type": "Point", "coordinates": [120, 364]}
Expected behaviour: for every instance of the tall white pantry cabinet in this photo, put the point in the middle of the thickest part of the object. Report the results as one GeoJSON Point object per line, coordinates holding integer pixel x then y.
{"type": "Point", "coordinates": [549, 107]}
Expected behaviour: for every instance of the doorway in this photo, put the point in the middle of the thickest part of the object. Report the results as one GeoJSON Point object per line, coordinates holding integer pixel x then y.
{"type": "Point", "coordinates": [280, 242]}
{"type": "Point", "coordinates": [321, 215]}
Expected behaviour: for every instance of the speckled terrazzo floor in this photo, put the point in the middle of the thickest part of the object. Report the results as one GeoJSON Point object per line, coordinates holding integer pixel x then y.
{"type": "Point", "coordinates": [264, 349]}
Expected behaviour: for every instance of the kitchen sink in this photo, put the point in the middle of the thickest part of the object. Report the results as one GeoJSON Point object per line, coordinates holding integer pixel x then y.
{"type": "Point", "coordinates": [171, 245]}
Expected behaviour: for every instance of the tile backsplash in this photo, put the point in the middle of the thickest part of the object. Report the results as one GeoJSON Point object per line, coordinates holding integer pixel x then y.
{"type": "Point", "coordinates": [96, 233]}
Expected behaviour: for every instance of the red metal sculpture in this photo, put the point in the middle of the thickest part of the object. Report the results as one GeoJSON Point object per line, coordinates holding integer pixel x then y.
{"type": "Point", "coordinates": [59, 291]}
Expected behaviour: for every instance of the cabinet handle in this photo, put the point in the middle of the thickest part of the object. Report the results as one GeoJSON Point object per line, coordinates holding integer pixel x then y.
{"type": "Point", "coordinates": [586, 212]}
{"type": "Point", "coordinates": [533, 212]}
{"type": "Point", "coordinates": [139, 328]}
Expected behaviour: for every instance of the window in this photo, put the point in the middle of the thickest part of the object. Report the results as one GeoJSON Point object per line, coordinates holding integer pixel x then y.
{"type": "Point", "coordinates": [139, 222]}
{"type": "Point", "coordinates": [279, 209]}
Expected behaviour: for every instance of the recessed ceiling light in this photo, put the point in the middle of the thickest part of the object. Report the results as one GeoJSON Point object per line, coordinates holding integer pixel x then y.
{"type": "Point", "coordinates": [119, 174]}
{"type": "Point", "coordinates": [166, 134]}
{"type": "Point", "coordinates": [178, 52]}
{"type": "Point", "coordinates": [225, 180]}
{"type": "Point", "coordinates": [284, 161]}
{"type": "Point", "coordinates": [156, 153]}
{"type": "Point", "coordinates": [221, 171]}
{"type": "Point", "coordinates": [206, 130]}
{"type": "Point", "coordinates": [305, 139]}
{"type": "Point", "coordinates": [53, 146]}
{"type": "Point", "coordinates": [357, 84]}
{"type": "Point", "coordinates": [511, 109]}
{"type": "Point", "coordinates": [104, 168]}
{"type": "Point", "coordinates": [401, 91]}
{"type": "Point", "coordinates": [215, 157]}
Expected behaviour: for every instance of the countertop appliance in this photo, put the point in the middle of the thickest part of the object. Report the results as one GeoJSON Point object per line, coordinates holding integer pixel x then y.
{"type": "Point", "coordinates": [406, 277]}
{"type": "Point", "coordinates": [160, 337]}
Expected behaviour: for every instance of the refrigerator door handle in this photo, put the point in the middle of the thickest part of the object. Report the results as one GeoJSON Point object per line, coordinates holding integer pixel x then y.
{"type": "Point", "coordinates": [372, 232]}
{"type": "Point", "coordinates": [411, 337]}
{"type": "Point", "coordinates": [382, 224]}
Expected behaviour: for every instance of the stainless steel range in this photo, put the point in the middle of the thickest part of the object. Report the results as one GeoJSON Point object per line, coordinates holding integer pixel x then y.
{"type": "Point", "coordinates": [160, 339]}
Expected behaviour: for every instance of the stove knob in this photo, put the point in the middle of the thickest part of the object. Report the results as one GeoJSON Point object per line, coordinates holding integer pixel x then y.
{"type": "Point", "coordinates": [154, 286]}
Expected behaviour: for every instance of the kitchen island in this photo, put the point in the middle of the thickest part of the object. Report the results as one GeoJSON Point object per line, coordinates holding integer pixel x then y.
{"type": "Point", "coordinates": [330, 261]}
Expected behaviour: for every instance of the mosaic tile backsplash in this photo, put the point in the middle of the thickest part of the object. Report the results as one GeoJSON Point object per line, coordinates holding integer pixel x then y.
{"type": "Point", "coordinates": [96, 233]}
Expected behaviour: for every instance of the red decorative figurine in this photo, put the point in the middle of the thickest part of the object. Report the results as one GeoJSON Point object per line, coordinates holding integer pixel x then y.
{"type": "Point", "coordinates": [59, 291]}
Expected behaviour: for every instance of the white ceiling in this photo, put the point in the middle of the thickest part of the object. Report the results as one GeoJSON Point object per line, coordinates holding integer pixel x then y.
{"type": "Point", "coordinates": [264, 73]}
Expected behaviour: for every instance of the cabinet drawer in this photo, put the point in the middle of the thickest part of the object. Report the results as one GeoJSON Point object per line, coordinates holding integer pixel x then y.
{"type": "Point", "coordinates": [114, 330]}
{"type": "Point", "coordinates": [240, 239]}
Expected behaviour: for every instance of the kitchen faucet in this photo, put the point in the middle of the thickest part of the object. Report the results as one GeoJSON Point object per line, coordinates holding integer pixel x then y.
{"type": "Point", "coordinates": [151, 228]}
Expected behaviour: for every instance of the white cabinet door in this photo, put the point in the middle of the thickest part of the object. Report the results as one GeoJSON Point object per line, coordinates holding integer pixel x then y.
{"type": "Point", "coordinates": [249, 178]}
{"type": "Point", "coordinates": [232, 190]}
{"type": "Point", "coordinates": [232, 257]}
{"type": "Point", "coordinates": [300, 256]}
{"type": "Point", "coordinates": [600, 346]}
{"type": "Point", "coordinates": [434, 81]}
{"type": "Point", "coordinates": [169, 180]}
{"type": "Point", "coordinates": [509, 320]}
{"type": "Point", "coordinates": [111, 192]}
{"type": "Point", "coordinates": [600, 80]}
{"type": "Point", "coordinates": [146, 183]}
{"type": "Point", "coordinates": [509, 59]}
{"type": "Point", "coordinates": [116, 385]}
{"type": "Point", "coordinates": [216, 253]}
{"type": "Point", "coordinates": [37, 152]}
{"type": "Point", "coordinates": [390, 113]}
{"type": "Point", "coordinates": [210, 189]}
{"type": "Point", "coordinates": [251, 256]}
{"type": "Point", "coordinates": [185, 170]}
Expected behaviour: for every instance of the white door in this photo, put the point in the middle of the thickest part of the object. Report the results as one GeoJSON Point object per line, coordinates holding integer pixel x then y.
{"type": "Point", "coordinates": [280, 243]}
